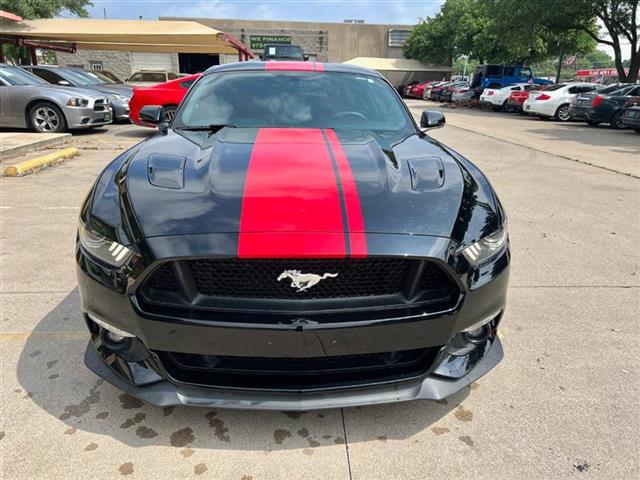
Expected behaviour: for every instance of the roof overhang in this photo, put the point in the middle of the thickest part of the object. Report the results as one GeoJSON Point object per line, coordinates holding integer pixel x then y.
{"type": "Point", "coordinates": [126, 35]}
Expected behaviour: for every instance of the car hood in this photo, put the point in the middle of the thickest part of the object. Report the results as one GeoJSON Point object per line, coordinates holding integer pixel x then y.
{"type": "Point", "coordinates": [305, 180]}
{"type": "Point", "coordinates": [71, 91]}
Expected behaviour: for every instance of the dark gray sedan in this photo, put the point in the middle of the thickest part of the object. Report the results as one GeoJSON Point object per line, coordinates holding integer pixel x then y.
{"type": "Point", "coordinates": [118, 95]}
{"type": "Point", "coordinates": [26, 101]}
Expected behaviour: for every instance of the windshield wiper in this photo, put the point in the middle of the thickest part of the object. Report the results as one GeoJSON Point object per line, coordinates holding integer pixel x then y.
{"type": "Point", "coordinates": [213, 128]}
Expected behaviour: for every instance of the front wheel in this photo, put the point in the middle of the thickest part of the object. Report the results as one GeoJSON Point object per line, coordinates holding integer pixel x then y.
{"type": "Point", "coordinates": [563, 114]}
{"type": "Point", "coordinates": [637, 130]}
{"type": "Point", "coordinates": [45, 117]}
{"type": "Point", "coordinates": [616, 121]}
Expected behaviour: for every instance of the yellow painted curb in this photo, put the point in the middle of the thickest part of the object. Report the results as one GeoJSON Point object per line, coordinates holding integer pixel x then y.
{"type": "Point", "coordinates": [30, 166]}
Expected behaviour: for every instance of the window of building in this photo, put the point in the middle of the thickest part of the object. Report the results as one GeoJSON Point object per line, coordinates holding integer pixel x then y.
{"type": "Point", "coordinates": [397, 38]}
{"type": "Point", "coordinates": [96, 65]}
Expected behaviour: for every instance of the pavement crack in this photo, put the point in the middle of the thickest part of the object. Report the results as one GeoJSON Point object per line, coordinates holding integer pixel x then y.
{"type": "Point", "coordinates": [346, 443]}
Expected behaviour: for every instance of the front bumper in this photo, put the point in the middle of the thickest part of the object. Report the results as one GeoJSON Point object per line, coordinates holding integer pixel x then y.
{"type": "Point", "coordinates": [483, 295]}
{"type": "Point", "coordinates": [120, 109]}
{"type": "Point", "coordinates": [164, 393]}
{"type": "Point", "coordinates": [87, 117]}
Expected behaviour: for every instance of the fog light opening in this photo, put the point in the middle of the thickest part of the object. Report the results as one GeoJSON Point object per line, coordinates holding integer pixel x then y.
{"type": "Point", "coordinates": [477, 336]}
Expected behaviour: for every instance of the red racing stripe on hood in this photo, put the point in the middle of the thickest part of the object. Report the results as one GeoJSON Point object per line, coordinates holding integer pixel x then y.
{"type": "Point", "coordinates": [357, 237]}
{"type": "Point", "coordinates": [295, 66]}
{"type": "Point", "coordinates": [291, 206]}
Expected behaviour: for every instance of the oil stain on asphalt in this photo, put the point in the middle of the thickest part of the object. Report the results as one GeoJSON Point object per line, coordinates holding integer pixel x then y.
{"type": "Point", "coordinates": [463, 415]}
{"type": "Point", "coordinates": [182, 437]}
{"type": "Point", "coordinates": [78, 410]}
{"type": "Point", "coordinates": [280, 435]}
{"type": "Point", "coordinates": [221, 432]}
{"type": "Point", "coordinates": [126, 468]}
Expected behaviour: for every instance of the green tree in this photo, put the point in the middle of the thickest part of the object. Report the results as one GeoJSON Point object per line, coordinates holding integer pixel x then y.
{"type": "Point", "coordinates": [31, 9]}
{"type": "Point", "coordinates": [480, 29]}
{"type": "Point", "coordinates": [609, 22]}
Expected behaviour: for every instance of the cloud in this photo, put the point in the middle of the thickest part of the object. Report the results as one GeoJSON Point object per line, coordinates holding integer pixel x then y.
{"type": "Point", "coordinates": [203, 9]}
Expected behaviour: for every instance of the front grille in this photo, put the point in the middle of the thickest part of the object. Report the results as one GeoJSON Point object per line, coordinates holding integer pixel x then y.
{"type": "Point", "coordinates": [259, 278]}
{"type": "Point", "coordinates": [100, 105]}
{"type": "Point", "coordinates": [237, 278]}
{"type": "Point", "coordinates": [190, 288]}
{"type": "Point", "coordinates": [268, 373]}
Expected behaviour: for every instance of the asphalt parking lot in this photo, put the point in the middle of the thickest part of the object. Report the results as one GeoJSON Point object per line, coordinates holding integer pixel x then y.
{"type": "Point", "coordinates": [562, 404]}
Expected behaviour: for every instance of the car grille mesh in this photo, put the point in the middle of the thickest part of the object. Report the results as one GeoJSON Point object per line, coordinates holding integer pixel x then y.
{"type": "Point", "coordinates": [258, 279]}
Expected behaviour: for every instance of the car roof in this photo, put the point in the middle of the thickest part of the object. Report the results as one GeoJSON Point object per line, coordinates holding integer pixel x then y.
{"type": "Point", "coordinates": [292, 66]}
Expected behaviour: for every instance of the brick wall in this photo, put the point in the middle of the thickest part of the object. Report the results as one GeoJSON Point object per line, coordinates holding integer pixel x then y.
{"type": "Point", "coordinates": [116, 62]}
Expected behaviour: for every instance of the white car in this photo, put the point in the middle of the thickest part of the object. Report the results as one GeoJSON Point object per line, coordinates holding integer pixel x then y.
{"type": "Point", "coordinates": [147, 78]}
{"type": "Point", "coordinates": [497, 98]}
{"type": "Point", "coordinates": [554, 100]}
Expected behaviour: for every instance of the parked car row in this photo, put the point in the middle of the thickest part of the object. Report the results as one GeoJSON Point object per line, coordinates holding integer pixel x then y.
{"type": "Point", "coordinates": [589, 102]}
{"type": "Point", "coordinates": [54, 99]}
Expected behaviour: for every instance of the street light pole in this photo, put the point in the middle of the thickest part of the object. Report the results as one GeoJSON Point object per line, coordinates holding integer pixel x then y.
{"type": "Point", "coordinates": [560, 59]}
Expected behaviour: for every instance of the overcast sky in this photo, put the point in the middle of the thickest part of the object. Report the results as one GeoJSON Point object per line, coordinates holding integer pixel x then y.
{"type": "Point", "coordinates": [371, 11]}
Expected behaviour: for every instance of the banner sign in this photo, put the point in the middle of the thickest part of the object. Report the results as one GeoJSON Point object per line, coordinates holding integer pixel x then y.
{"type": "Point", "coordinates": [258, 42]}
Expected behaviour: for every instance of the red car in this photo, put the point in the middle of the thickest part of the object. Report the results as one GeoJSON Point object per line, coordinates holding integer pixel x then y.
{"type": "Point", "coordinates": [517, 98]}
{"type": "Point", "coordinates": [417, 90]}
{"type": "Point", "coordinates": [168, 94]}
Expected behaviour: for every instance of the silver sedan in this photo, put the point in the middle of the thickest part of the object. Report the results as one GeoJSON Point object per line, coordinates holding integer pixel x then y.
{"type": "Point", "coordinates": [26, 101]}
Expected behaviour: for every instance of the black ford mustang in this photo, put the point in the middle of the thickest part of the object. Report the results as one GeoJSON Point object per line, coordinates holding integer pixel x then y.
{"type": "Point", "coordinates": [292, 241]}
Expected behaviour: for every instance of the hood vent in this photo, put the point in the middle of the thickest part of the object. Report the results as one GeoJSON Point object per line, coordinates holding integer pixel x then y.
{"type": "Point", "coordinates": [166, 171]}
{"type": "Point", "coordinates": [426, 173]}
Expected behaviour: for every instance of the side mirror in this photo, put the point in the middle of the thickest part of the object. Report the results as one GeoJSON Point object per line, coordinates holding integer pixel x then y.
{"type": "Point", "coordinates": [432, 119]}
{"type": "Point", "coordinates": [151, 114]}
{"type": "Point", "coordinates": [64, 82]}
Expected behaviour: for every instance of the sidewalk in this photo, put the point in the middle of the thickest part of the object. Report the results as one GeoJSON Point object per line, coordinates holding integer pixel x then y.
{"type": "Point", "coordinates": [13, 144]}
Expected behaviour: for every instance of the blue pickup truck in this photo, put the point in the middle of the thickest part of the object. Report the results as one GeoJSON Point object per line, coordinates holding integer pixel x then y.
{"type": "Point", "coordinates": [497, 76]}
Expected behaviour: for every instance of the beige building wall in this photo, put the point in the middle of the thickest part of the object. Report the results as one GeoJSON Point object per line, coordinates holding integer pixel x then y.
{"type": "Point", "coordinates": [326, 42]}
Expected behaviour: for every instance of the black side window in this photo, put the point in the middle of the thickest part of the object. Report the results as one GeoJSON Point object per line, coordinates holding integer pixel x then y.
{"type": "Point", "coordinates": [47, 75]}
{"type": "Point", "coordinates": [574, 90]}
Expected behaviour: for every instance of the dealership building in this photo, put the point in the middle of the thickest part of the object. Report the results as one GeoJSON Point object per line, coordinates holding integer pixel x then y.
{"type": "Point", "coordinates": [324, 42]}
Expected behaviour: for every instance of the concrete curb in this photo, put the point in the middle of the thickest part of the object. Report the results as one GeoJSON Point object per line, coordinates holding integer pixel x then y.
{"type": "Point", "coordinates": [35, 164]}
{"type": "Point", "coordinates": [16, 151]}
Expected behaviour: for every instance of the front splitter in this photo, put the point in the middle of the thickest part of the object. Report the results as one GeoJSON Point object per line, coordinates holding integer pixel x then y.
{"type": "Point", "coordinates": [165, 393]}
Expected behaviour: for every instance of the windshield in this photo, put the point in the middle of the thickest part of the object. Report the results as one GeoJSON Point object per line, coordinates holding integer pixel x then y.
{"type": "Point", "coordinates": [283, 51]}
{"type": "Point", "coordinates": [79, 78]}
{"type": "Point", "coordinates": [17, 76]}
{"type": "Point", "coordinates": [156, 77]}
{"type": "Point", "coordinates": [89, 77]}
{"type": "Point", "coordinates": [106, 76]}
{"type": "Point", "coordinates": [293, 99]}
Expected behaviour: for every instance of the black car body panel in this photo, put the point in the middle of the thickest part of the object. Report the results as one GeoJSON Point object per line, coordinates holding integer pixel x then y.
{"type": "Point", "coordinates": [608, 106]}
{"type": "Point", "coordinates": [207, 320]}
{"type": "Point", "coordinates": [631, 117]}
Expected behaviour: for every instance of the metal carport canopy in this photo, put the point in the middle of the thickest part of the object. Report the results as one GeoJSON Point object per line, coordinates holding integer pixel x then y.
{"type": "Point", "coordinates": [127, 35]}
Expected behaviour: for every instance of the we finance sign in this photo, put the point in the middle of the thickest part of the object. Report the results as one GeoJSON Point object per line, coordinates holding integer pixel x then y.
{"type": "Point", "coordinates": [258, 42]}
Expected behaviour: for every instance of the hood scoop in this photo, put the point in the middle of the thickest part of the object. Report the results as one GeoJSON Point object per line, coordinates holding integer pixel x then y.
{"type": "Point", "coordinates": [166, 171]}
{"type": "Point", "coordinates": [426, 173]}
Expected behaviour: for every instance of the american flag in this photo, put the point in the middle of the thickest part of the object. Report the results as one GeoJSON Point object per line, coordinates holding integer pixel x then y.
{"type": "Point", "coordinates": [570, 61]}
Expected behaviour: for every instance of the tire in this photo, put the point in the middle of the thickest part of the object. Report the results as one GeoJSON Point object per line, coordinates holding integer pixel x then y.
{"type": "Point", "coordinates": [168, 112]}
{"type": "Point", "coordinates": [45, 117]}
{"type": "Point", "coordinates": [637, 130]}
{"type": "Point", "coordinates": [506, 107]}
{"type": "Point", "coordinates": [591, 123]}
{"type": "Point", "coordinates": [616, 121]}
{"type": "Point", "coordinates": [562, 113]}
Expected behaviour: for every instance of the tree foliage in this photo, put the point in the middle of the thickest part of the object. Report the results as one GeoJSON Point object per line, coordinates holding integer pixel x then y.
{"type": "Point", "coordinates": [609, 22]}
{"type": "Point", "coordinates": [31, 9]}
{"type": "Point", "coordinates": [516, 31]}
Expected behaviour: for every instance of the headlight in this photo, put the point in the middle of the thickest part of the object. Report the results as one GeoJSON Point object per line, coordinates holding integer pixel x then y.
{"type": "Point", "coordinates": [484, 249]}
{"type": "Point", "coordinates": [77, 102]}
{"type": "Point", "coordinates": [102, 248]}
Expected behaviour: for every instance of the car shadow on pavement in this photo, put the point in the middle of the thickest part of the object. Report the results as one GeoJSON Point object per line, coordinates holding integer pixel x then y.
{"type": "Point", "coordinates": [52, 372]}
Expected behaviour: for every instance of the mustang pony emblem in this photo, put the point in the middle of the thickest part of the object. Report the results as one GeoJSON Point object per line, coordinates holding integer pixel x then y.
{"type": "Point", "coordinates": [303, 281]}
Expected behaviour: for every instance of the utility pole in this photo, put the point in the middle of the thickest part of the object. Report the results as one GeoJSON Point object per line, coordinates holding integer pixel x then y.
{"type": "Point", "coordinates": [104, 10]}
{"type": "Point", "coordinates": [561, 43]}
